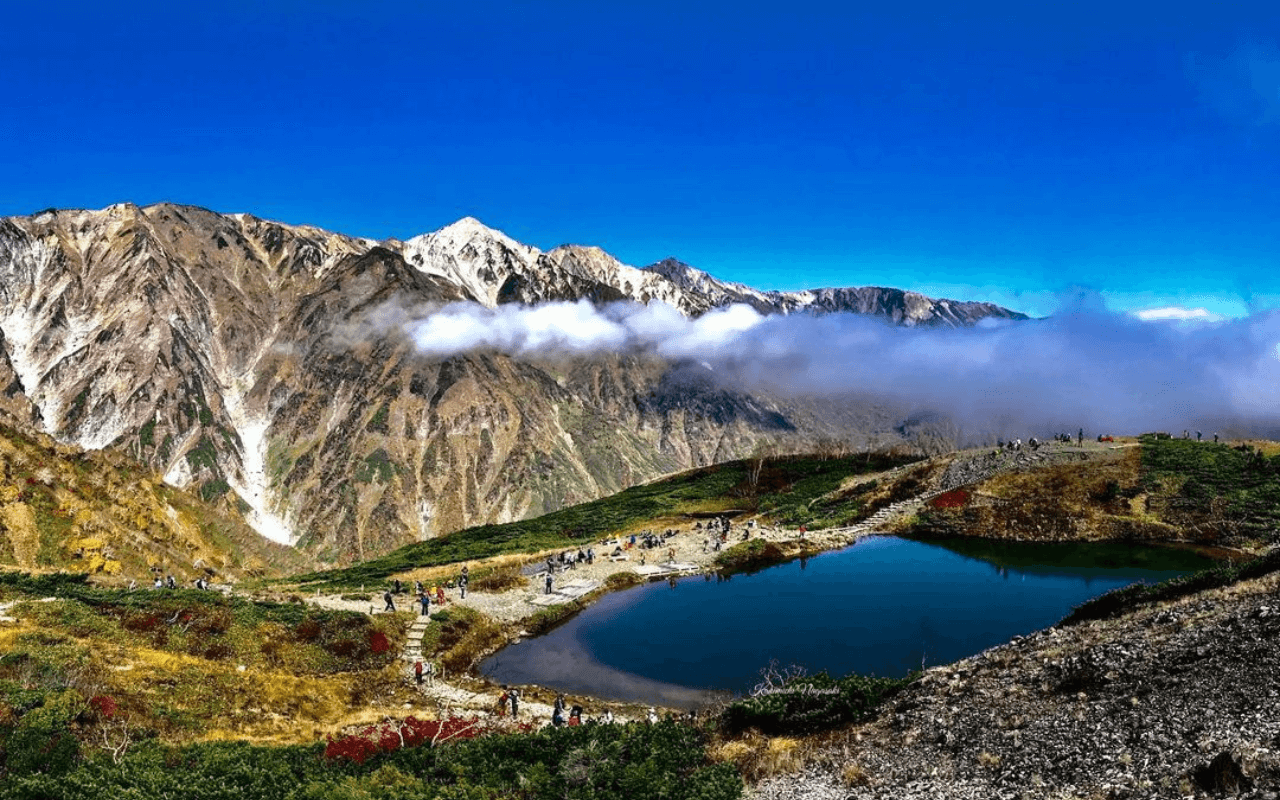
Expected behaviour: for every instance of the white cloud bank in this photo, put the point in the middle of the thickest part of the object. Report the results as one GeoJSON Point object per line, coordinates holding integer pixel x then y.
{"type": "Point", "coordinates": [1177, 313]}
{"type": "Point", "coordinates": [1081, 367]}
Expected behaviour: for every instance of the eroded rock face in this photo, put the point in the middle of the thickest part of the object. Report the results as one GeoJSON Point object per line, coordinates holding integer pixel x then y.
{"type": "Point", "coordinates": [235, 355]}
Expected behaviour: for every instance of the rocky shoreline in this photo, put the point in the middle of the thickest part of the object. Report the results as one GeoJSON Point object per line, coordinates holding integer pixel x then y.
{"type": "Point", "coordinates": [1180, 700]}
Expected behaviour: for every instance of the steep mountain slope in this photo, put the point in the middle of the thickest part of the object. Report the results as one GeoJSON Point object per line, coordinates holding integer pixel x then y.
{"type": "Point", "coordinates": [247, 359]}
{"type": "Point", "coordinates": [101, 512]}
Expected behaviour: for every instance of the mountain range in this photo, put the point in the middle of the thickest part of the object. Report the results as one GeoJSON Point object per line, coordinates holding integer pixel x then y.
{"type": "Point", "coordinates": [203, 345]}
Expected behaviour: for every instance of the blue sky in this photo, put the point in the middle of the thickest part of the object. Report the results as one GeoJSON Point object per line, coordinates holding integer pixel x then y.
{"type": "Point", "coordinates": [996, 152]}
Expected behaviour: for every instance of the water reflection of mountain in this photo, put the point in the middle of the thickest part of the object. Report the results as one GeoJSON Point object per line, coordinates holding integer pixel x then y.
{"type": "Point", "coordinates": [1082, 560]}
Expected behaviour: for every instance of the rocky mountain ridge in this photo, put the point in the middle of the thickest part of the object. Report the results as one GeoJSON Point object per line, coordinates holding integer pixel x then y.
{"type": "Point", "coordinates": [204, 345]}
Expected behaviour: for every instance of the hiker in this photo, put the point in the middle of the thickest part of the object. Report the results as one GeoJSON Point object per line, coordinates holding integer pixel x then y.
{"type": "Point", "coordinates": [591, 555]}
{"type": "Point", "coordinates": [548, 591]}
{"type": "Point", "coordinates": [607, 719]}
{"type": "Point", "coordinates": [515, 703]}
{"type": "Point", "coordinates": [171, 583]}
{"type": "Point", "coordinates": [397, 589]}
{"type": "Point", "coordinates": [462, 586]}
{"type": "Point", "coordinates": [417, 671]}
{"type": "Point", "coordinates": [671, 555]}
{"type": "Point", "coordinates": [386, 598]}
{"type": "Point", "coordinates": [439, 595]}
{"type": "Point", "coordinates": [557, 713]}
{"type": "Point", "coordinates": [425, 602]}
{"type": "Point", "coordinates": [417, 587]}
{"type": "Point", "coordinates": [503, 699]}
{"type": "Point", "coordinates": [575, 715]}
{"type": "Point", "coordinates": [653, 715]}
{"type": "Point", "coordinates": [159, 584]}
{"type": "Point", "coordinates": [1215, 437]}
{"type": "Point", "coordinates": [1197, 436]}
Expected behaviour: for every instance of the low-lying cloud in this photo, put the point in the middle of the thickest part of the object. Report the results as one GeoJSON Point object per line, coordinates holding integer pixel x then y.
{"type": "Point", "coordinates": [1084, 366]}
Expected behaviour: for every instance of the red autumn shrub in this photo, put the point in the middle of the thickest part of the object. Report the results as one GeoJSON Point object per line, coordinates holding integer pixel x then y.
{"type": "Point", "coordinates": [413, 732]}
{"type": "Point", "coordinates": [103, 706]}
{"type": "Point", "coordinates": [956, 498]}
{"type": "Point", "coordinates": [378, 642]}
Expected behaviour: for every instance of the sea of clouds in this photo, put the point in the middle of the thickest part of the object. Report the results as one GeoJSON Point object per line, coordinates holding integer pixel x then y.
{"type": "Point", "coordinates": [1082, 366]}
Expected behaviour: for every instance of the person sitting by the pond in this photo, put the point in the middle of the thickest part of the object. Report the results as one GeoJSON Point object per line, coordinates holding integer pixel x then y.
{"type": "Point", "coordinates": [425, 602]}
{"type": "Point", "coordinates": [386, 598]}
{"type": "Point", "coordinates": [575, 715]}
{"type": "Point", "coordinates": [439, 595]}
{"type": "Point", "coordinates": [617, 552]}
{"type": "Point", "coordinates": [642, 561]}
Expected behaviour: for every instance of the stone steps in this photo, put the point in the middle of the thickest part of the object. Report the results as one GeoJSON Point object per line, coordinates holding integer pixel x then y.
{"type": "Point", "coordinates": [413, 643]}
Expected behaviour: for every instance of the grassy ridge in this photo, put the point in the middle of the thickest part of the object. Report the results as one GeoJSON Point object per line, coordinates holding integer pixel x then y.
{"type": "Point", "coordinates": [1231, 492]}
{"type": "Point", "coordinates": [781, 488]}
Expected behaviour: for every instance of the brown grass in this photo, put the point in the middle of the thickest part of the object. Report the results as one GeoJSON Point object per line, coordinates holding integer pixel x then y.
{"type": "Point", "coordinates": [760, 757]}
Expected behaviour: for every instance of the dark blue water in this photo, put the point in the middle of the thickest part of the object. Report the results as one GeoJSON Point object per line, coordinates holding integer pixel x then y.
{"type": "Point", "coordinates": [884, 606]}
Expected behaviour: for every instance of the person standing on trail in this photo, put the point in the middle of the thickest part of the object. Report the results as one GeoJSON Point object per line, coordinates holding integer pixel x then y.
{"type": "Point", "coordinates": [1197, 436]}
{"type": "Point", "coordinates": [503, 699]}
{"type": "Point", "coordinates": [425, 602]}
{"type": "Point", "coordinates": [439, 595]}
{"type": "Point", "coordinates": [515, 703]}
{"type": "Point", "coordinates": [548, 591]}
{"type": "Point", "coordinates": [462, 586]}
{"type": "Point", "coordinates": [1215, 438]}
{"type": "Point", "coordinates": [417, 671]}
{"type": "Point", "coordinates": [398, 587]}
{"type": "Point", "coordinates": [1080, 438]}
{"type": "Point", "coordinates": [386, 598]}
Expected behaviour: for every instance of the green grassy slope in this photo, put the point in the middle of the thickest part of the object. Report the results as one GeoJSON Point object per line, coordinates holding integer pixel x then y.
{"type": "Point", "coordinates": [789, 490]}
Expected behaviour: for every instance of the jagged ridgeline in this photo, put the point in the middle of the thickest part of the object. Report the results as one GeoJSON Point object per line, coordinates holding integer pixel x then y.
{"type": "Point", "coordinates": [246, 360]}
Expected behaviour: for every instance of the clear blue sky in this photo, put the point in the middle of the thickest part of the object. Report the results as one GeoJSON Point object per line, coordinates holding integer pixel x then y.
{"type": "Point", "coordinates": [988, 152]}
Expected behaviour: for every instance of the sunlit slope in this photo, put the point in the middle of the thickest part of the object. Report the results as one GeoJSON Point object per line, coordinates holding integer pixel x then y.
{"type": "Point", "coordinates": [102, 513]}
{"type": "Point", "coordinates": [1156, 490]}
{"type": "Point", "coordinates": [191, 665]}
